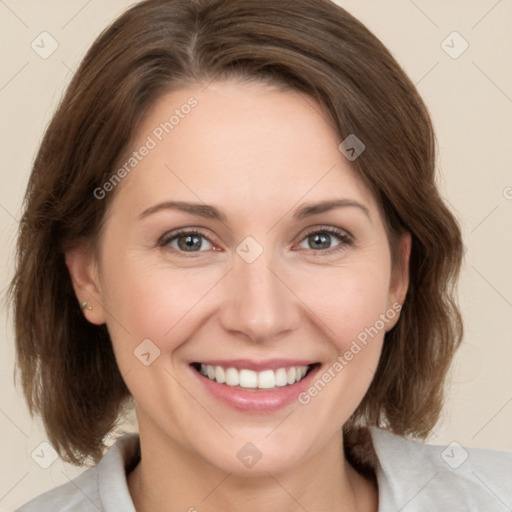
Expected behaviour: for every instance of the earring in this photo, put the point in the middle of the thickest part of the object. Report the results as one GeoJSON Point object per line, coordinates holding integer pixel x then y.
{"type": "Point", "coordinates": [85, 305]}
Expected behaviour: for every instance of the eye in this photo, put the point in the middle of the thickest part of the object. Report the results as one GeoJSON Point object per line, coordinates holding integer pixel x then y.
{"type": "Point", "coordinates": [322, 240]}
{"type": "Point", "coordinates": [319, 240]}
{"type": "Point", "coordinates": [186, 241]}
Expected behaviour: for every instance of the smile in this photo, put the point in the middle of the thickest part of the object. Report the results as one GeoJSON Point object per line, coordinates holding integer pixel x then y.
{"type": "Point", "coordinates": [255, 387]}
{"type": "Point", "coordinates": [245, 378]}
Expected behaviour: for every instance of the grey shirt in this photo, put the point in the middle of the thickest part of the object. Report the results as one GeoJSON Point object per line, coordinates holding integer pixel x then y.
{"type": "Point", "coordinates": [411, 477]}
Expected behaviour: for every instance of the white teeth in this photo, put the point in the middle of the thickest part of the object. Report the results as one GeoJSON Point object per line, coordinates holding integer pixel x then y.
{"type": "Point", "coordinates": [248, 379]}
{"type": "Point", "coordinates": [267, 379]}
{"type": "Point", "coordinates": [220, 375]}
{"type": "Point", "coordinates": [232, 377]}
{"type": "Point", "coordinates": [281, 379]}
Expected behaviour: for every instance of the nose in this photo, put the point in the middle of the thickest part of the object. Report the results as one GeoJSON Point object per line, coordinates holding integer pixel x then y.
{"type": "Point", "coordinates": [259, 302]}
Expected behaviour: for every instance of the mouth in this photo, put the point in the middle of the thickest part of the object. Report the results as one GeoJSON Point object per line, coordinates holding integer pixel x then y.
{"type": "Point", "coordinates": [247, 379]}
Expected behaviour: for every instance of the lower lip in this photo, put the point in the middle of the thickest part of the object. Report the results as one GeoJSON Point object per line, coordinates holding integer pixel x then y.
{"type": "Point", "coordinates": [256, 401]}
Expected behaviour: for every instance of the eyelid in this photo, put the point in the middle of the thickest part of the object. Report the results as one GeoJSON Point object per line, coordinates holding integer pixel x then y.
{"type": "Point", "coordinates": [328, 229]}
{"type": "Point", "coordinates": [166, 238]}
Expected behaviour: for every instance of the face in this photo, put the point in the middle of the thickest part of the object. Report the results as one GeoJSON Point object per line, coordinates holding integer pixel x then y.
{"type": "Point", "coordinates": [241, 244]}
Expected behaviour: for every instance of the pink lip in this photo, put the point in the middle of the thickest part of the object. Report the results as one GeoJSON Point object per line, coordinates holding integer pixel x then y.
{"type": "Point", "coordinates": [257, 401]}
{"type": "Point", "coordinates": [257, 366]}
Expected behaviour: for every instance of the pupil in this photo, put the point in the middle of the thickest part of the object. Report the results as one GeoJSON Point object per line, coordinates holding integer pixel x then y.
{"type": "Point", "coordinates": [321, 240]}
{"type": "Point", "coordinates": [191, 242]}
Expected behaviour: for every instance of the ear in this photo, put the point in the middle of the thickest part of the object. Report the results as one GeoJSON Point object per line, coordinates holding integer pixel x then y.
{"type": "Point", "coordinates": [83, 269]}
{"type": "Point", "coordinates": [399, 283]}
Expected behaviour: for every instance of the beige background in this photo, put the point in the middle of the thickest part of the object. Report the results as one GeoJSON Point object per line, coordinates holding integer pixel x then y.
{"type": "Point", "coordinates": [470, 99]}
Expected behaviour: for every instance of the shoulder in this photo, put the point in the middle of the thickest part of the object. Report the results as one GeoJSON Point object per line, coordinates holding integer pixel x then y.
{"type": "Point", "coordinates": [80, 495]}
{"type": "Point", "coordinates": [430, 477]}
{"type": "Point", "coordinates": [102, 487]}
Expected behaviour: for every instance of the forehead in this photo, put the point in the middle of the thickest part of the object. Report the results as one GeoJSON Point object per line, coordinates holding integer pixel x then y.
{"type": "Point", "coordinates": [233, 143]}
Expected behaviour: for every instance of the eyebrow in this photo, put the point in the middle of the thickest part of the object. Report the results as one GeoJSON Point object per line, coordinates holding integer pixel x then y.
{"type": "Point", "coordinates": [211, 212]}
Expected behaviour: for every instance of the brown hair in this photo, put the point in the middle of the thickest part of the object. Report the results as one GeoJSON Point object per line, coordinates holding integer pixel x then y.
{"type": "Point", "coordinates": [68, 370]}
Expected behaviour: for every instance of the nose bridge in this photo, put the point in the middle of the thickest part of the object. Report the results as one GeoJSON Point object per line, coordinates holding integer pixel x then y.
{"type": "Point", "coordinates": [258, 303]}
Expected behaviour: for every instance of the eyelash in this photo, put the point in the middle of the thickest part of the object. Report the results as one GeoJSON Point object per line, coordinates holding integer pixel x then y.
{"type": "Point", "coordinates": [346, 240]}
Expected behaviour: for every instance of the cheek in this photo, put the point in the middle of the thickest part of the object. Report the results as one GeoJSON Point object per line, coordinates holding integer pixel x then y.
{"type": "Point", "coordinates": [155, 310]}
{"type": "Point", "coordinates": [347, 300]}
{"type": "Point", "coordinates": [351, 308]}
{"type": "Point", "coordinates": [154, 301]}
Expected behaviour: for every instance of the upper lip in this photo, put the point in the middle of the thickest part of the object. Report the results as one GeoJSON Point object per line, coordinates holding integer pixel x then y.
{"type": "Point", "coordinates": [257, 366]}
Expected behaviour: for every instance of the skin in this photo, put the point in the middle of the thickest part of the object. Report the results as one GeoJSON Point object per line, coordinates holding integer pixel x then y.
{"type": "Point", "coordinates": [257, 154]}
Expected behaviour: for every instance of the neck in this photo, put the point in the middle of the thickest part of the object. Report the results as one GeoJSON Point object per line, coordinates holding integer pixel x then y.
{"type": "Point", "coordinates": [172, 479]}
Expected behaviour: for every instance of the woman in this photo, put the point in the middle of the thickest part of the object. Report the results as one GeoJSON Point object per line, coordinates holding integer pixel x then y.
{"type": "Point", "coordinates": [232, 222]}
